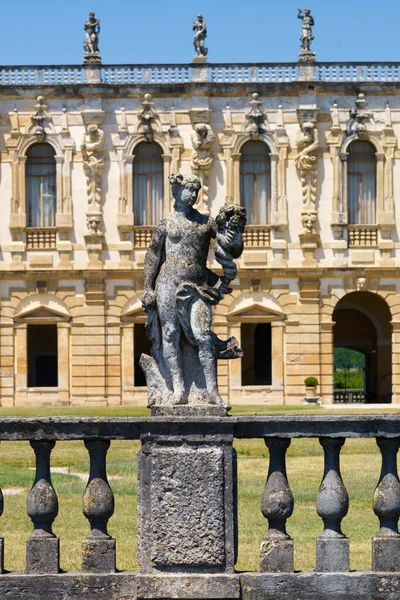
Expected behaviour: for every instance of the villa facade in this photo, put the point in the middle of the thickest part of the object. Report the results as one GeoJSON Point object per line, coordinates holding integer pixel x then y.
{"type": "Point", "coordinates": [310, 149]}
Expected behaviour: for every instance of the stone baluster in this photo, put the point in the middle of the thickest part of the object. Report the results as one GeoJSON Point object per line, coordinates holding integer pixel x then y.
{"type": "Point", "coordinates": [43, 547]}
{"type": "Point", "coordinates": [1, 539]}
{"type": "Point", "coordinates": [98, 549]}
{"type": "Point", "coordinates": [333, 550]}
{"type": "Point", "coordinates": [386, 543]}
{"type": "Point", "coordinates": [277, 551]}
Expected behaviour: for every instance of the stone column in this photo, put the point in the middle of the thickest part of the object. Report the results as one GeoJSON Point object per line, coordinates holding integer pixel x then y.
{"type": "Point", "coordinates": [63, 358]}
{"type": "Point", "coordinates": [186, 500]}
{"type": "Point", "coordinates": [386, 543]}
{"type": "Point", "coordinates": [21, 364]}
{"type": "Point", "coordinates": [333, 550]}
{"type": "Point", "coordinates": [277, 550]}
{"type": "Point", "coordinates": [277, 354]}
{"type": "Point", "coordinates": [326, 353]}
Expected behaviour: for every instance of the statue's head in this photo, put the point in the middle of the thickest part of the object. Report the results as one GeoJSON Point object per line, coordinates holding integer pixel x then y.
{"type": "Point", "coordinates": [307, 11]}
{"type": "Point", "coordinates": [185, 188]}
{"type": "Point", "coordinates": [200, 17]}
{"type": "Point", "coordinates": [91, 15]}
{"type": "Point", "coordinates": [201, 129]}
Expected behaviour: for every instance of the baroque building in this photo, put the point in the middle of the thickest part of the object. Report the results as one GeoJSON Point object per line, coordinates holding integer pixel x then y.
{"type": "Point", "coordinates": [310, 149]}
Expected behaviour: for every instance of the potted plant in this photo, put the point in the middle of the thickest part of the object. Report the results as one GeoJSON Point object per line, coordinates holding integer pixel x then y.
{"type": "Point", "coordinates": [311, 387]}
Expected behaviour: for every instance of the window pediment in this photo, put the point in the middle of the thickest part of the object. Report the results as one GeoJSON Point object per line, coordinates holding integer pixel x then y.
{"type": "Point", "coordinates": [259, 307]}
{"type": "Point", "coordinates": [41, 308]}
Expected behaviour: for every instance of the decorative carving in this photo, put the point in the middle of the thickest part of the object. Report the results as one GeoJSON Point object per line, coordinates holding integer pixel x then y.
{"type": "Point", "coordinates": [91, 43]}
{"type": "Point", "coordinates": [93, 222]}
{"type": "Point", "coordinates": [361, 284]}
{"type": "Point", "coordinates": [306, 162]}
{"type": "Point", "coordinates": [306, 35]}
{"type": "Point", "coordinates": [255, 117]}
{"type": "Point", "coordinates": [200, 34]}
{"type": "Point", "coordinates": [202, 157]}
{"type": "Point", "coordinates": [146, 118]}
{"type": "Point", "coordinates": [93, 164]}
{"type": "Point", "coordinates": [38, 119]}
{"type": "Point", "coordinates": [179, 292]}
{"type": "Point", "coordinates": [309, 220]}
{"type": "Point", "coordinates": [359, 115]}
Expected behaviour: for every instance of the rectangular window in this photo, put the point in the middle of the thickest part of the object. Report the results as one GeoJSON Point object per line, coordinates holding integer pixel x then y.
{"type": "Point", "coordinates": [42, 356]}
{"type": "Point", "coordinates": [256, 343]}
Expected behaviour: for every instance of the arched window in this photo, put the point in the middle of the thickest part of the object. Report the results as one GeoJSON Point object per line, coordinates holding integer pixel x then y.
{"type": "Point", "coordinates": [361, 183]}
{"type": "Point", "coordinates": [41, 186]}
{"type": "Point", "coordinates": [148, 184]}
{"type": "Point", "coordinates": [255, 182]}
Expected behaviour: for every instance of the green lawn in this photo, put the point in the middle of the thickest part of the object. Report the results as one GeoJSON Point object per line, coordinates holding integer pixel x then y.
{"type": "Point", "coordinates": [360, 470]}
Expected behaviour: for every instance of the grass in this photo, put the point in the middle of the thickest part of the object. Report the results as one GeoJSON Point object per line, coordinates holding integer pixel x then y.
{"type": "Point", "coordinates": [360, 469]}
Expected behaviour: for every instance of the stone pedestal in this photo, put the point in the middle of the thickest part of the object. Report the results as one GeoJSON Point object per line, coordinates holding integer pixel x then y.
{"type": "Point", "coordinates": [276, 554]}
{"type": "Point", "coordinates": [98, 555]}
{"type": "Point", "coordinates": [42, 554]}
{"type": "Point", "coordinates": [199, 69]}
{"type": "Point", "coordinates": [186, 502]}
{"type": "Point", "coordinates": [386, 553]}
{"type": "Point", "coordinates": [333, 554]}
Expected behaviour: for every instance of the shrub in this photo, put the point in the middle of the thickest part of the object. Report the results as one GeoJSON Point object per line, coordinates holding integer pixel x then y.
{"type": "Point", "coordinates": [311, 382]}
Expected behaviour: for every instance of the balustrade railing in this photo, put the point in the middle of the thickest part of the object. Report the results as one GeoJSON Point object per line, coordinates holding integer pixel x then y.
{"type": "Point", "coordinates": [160, 74]}
{"type": "Point", "coordinates": [187, 510]}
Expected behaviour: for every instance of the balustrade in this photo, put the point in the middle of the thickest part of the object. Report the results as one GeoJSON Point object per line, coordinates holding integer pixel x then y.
{"type": "Point", "coordinates": [187, 510]}
{"type": "Point", "coordinates": [236, 73]}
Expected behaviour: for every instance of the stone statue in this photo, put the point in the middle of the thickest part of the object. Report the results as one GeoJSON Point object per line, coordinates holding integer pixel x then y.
{"type": "Point", "coordinates": [179, 291]}
{"type": "Point", "coordinates": [306, 35]}
{"type": "Point", "coordinates": [306, 162]}
{"type": "Point", "coordinates": [38, 119]}
{"type": "Point", "coordinates": [203, 138]}
{"type": "Point", "coordinates": [200, 34]}
{"type": "Point", "coordinates": [93, 164]}
{"type": "Point", "coordinates": [360, 115]}
{"type": "Point", "coordinates": [91, 43]}
{"type": "Point", "coordinates": [255, 117]}
{"type": "Point", "coordinates": [93, 223]}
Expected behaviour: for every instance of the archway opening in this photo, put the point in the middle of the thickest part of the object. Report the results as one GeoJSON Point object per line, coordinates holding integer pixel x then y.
{"type": "Point", "coordinates": [362, 349]}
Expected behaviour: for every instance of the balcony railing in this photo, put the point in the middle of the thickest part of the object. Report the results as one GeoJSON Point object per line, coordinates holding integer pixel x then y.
{"type": "Point", "coordinates": [235, 73]}
{"type": "Point", "coordinates": [41, 238]}
{"type": "Point", "coordinates": [142, 236]}
{"type": "Point", "coordinates": [257, 236]}
{"type": "Point", "coordinates": [187, 521]}
{"type": "Point", "coordinates": [362, 235]}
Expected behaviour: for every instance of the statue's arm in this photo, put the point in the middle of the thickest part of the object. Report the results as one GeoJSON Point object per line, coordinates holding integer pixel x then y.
{"type": "Point", "coordinates": [152, 263]}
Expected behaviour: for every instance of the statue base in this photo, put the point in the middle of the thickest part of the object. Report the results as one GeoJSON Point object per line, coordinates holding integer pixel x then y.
{"type": "Point", "coordinates": [186, 502]}
{"type": "Point", "coordinates": [307, 56]}
{"type": "Point", "coordinates": [200, 59]}
{"type": "Point", "coordinates": [190, 410]}
{"type": "Point", "coordinates": [92, 58]}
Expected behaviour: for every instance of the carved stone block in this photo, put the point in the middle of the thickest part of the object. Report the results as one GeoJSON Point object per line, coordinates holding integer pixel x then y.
{"type": "Point", "coordinates": [333, 554]}
{"type": "Point", "coordinates": [276, 554]}
{"type": "Point", "coordinates": [187, 513]}
{"type": "Point", "coordinates": [98, 555]}
{"type": "Point", "coordinates": [42, 555]}
{"type": "Point", "coordinates": [386, 553]}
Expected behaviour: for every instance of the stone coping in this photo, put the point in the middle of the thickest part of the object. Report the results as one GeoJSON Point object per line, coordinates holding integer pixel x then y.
{"type": "Point", "coordinates": [248, 586]}
{"type": "Point", "coordinates": [241, 426]}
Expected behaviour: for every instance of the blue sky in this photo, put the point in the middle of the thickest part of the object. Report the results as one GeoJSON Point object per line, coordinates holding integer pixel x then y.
{"type": "Point", "coordinates": [155, 31]}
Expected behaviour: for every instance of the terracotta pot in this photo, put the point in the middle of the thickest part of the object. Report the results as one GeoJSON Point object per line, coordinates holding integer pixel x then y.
{"type": "Point", "coordinates": [311, 391]}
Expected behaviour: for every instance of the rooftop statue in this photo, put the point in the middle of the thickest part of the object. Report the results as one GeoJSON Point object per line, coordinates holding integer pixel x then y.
{"type": "Point", "coordinates": [179, 291]}
{"type": "Point", "coordinates": [200, 29]}
{"type": "Point", "coordinates": [91, 43]}
{"type": "Point", "coordinates": [306, 36]}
